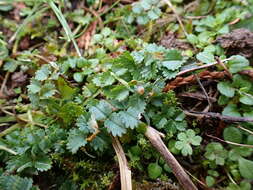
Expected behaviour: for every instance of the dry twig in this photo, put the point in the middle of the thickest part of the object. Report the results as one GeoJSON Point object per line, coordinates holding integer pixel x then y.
{"type": "Point", "coordinates": [218, 116]}
{"type": "Point", "coordinates": [155, 138]}
{"type": "Point", "coordinates": [168, 2]}
{"type": "Point", "coordinates": [229, 142]}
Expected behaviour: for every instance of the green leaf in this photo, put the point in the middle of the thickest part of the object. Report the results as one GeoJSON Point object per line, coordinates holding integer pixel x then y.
{"type": "Point", "coordinates": [137, 8]}
{"type": "Point", "coordinates": [239, 152]}
{"type": "Point", "coordinates": [210, 181]}
{"type": "Point", "coordinates": [102, 110]}
{"type": "Point", "coordinates": [76, 140]}
{"type": "Point", "coordinates": [246, 168]}
{"type": "Point", "coordinates": [34, 87]}
{"type": "Point", "coordinates": [186, 139]}
{"type": "Point", "coordinates": [172, 65]}
{"type": "Point", "coordinates": [120, 92]}
{"type": "Point", "coordinates": [237, 63]}
{"type": "Point", "coordinates": [84, 125]}
{"type": "Point", "coordinates": [172, 55]}
{"type": "Point", "coordinates": [47, 90]}
{"type": "Point", "coordinates": [205, 57]}
{"type": "Point", "coordinates": [3, 51]}
{"type": "Point", "coordinates": [43, 73]}
{"type": "Point", "coordinates": [130, 117]}
{"type": "Point", "coordinates": [115, 125]}
{"type": "Point", "coordinates": [231, 110]}
{"type": "Point", "coordinates": [192, 39]}
{"type": "Point", "coordinates": [103, 79]}
{"type": "Point", "coordinates": [14, 182]}
{"type": "Point", "coordinates": [11, 65]}
{"type": "Point", "coordinates": [152, 14]}
{"type": "Point", "coordinates": [78, 77]}
{"type": "Point", "coordinates": [43, 163]}
{"type": "Point", "coordinates": [145, 4]}
{"type": "Point", "coordinates": [232, 134]}
{"type": "Point", "coordinates": [65, 90]}
{"type": "Point", "coordinates": [246, 99]}
{"type": "Point", "coordinates": [216, 152]}
{"type": "Point", "coordinates": [142, 20]}
{"type": "Point", "coordinates": [69, 112]}
{"type": "Point", "coordinates": [226, 89]}
{"type": "Point", "coordinates": [154, 170]}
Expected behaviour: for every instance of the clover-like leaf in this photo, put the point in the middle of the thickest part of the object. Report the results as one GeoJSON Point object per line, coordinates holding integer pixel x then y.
{"type": "Point", "coordinates": [215, 152]}
{"type": "Point", "coordinates": [186, 139]}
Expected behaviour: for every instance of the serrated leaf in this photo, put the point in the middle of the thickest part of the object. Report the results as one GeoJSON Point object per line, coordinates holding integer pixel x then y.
{"type": "Point", "coordinates": [76, 140]}
{"type": "Point", "coordinates": [48, 90]}
{"type": "Point", "coordinates": [103, 79]}
{"type": "Point", "coordinates": [115, 125]}
{"type": "Point", "coordinates": [15, 183]}
{"type": "Point", "coordinates": [98, 144]}
{"type": "Point", "coordinates": [119, 93]}
{"type": "Point", "coordinates": [130, 117]}
{"type": "Point", "coordinates": [137, 103]}
{"type": "Point", "coordinates": [102, 110]}
{"type": "Point", "coordinates": [172, 65]}
{"type": "Point", "coordinates": [43, 73]}
{"type": "Point", "coordinates": [84, 125]}
{"type": "Point", "coordinates": [43, 163]}
{"type": "Point", "coordinates": [34, 87]}
{"type": "Point", "coordinates": [226, 89]}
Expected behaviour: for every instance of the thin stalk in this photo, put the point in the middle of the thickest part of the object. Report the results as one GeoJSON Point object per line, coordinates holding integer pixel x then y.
{"type": "Point", "coordinates": [65, 25]}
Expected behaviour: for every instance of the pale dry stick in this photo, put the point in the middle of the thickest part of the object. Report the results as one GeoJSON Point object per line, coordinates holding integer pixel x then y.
{"type": "Point", "coordinates": [8, 150]}
{"type": "Point", "coordinates": [125, 172]}
{"type": "Point", "coordinates": [10, 129]}
{"type": "Point", "coordinates": [155, 138]}
{"type": "Point", "coordinates": [22, 119]}
{"type": "Point", "coordinates": [168, 2]}
{"type": "Point", "coordinates": [242, 128]}
{"type": "Point", "coordinates": [229, 142]}
{"type": "Point", "coordinates": [201, 67]}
